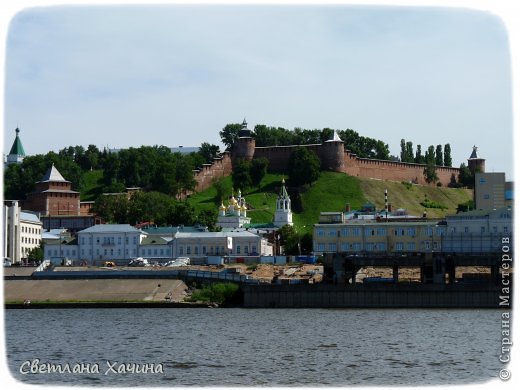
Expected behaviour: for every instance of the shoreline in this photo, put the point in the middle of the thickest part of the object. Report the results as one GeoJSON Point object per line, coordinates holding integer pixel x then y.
{"type": "Point", "coordinates": [105, 305]}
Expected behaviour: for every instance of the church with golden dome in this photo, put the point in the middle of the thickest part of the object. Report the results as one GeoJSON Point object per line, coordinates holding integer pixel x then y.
{"type": "Point", "coordinates": [234, 215]}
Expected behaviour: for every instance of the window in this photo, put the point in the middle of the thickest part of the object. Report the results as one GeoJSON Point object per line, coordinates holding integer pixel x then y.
{"type": "Point", "coordinates": [204, 250]}
{"type": "Point", "coordinates": [411, 231]}
{"type": "Point", "coordinates": [181, 250]}
{"type": "Point", "coordinates": [356, 231]}
{"type": "Point", "coordinates": [399, 246]}
{"type": "Point", "coordinates": [466, 229]}
{"type": "Point", "coordinates": [332, 247]}
{"type": "Point", "coordinates": [482, 229]}
{"type": "Point", "coordinates": [369, 246]}
{"type": "Point", "coordinates": [332, 233]}
{"type": "Point", "coordinates": [253, 249]}
{"type": "Point", "coordinates": [246, 250]}
{"type": "Point", "coordinates": [381, 231]}
{"type": "Point", "coordinates": [410, 246]}
{"type": "Point", "coordinates": [321, 247]}
{"type": "Point", "coordinates": [427, 245]}
{"type": "Point", "coordinates": [344, 247]}
{"type": "Point", "coordinates": [344, 232]}
{"type": "Point", "coordinates": [495, 229]}
{"type": "Point", "coordinates": [381, 246]}
{"type": "Point", "coordinates": [356, 246]}
{"type": "Point", "coordinates": [320, 232]}
{"type": "Point", "coordinates": [188, 250]}
{"type": "Point", "coordinates": [238, 249]}
{"type": "Point", "coordinates": [506, 230]}
{"type": "Point", "coordinates": [196, 250]}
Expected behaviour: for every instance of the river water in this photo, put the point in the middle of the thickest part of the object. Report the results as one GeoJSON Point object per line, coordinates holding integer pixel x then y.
{"type": "Point", "coordinates": [254, 347]}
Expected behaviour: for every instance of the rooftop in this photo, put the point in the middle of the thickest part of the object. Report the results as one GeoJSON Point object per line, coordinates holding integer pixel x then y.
{"type": "Point", "coordinates": [17, 147]}
{"type": "Point", "coordinates": [53, 174]}
{"type": "Point", "coordinates": [111, 228]}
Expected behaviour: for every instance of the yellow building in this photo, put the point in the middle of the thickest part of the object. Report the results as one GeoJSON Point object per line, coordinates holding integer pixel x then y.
{"type": "Point", "coordinates": [378, 237]}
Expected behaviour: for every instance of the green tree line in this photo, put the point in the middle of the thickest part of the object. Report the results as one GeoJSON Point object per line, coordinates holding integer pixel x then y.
{"type": "Point", "coordinates": [365, 147]}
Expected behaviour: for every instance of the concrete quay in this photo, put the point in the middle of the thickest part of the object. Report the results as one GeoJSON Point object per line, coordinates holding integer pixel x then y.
{"type": "Point", "coordinates": [371, 296]}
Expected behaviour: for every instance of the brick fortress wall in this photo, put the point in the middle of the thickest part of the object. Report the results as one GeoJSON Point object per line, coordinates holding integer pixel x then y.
{"type": "Point", "coordinates": [332, 156]}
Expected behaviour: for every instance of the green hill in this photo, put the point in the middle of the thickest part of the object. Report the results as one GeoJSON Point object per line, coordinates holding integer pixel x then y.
{"type": "Point", "coordinates": [332, 192]}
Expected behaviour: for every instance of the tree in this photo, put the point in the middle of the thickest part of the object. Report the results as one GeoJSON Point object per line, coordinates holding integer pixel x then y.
{"type": "Point", "coordinates": [289, 239]}
{"type": "Point", "coordinates": [304, 167]}
{"type": "Point", "coordinates": [207, 218]}
{"type": "Point", "coordinates": [466, 177]}
{"type": "Point", "coordinates": [241, 175]}
{"type": "Point", "coordinates": [258, 170]}
{"type": "Point", "coordinates": [209, 152]}
{"type": "Point", "coordinates": [447, 156]}
{"type": "Point", "coordinates": [403, 150]}
{"type": "Point", "coordinates": [229, 134]}
{"type": "Point", "coordinates": [430, 173]}
{"type": "Point", "coordinates": [409, 152]}
{"type": "Point", "coordinates": [419, 158]}
{"type": "Point", "coordinates": [36, 254]}
{"type": "Point", "coordinates": [439, 160]}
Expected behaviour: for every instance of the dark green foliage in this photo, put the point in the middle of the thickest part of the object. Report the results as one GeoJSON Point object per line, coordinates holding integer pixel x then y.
{"type": "Point", "coordinates": [21, 179]}
{"type": "Point", "coordinates": [466, 177]}
{"type": "Point", "coordinates": [419, 158]}
{"type": "Point", "coordinates": [207, 218]}
{"type": "Point", "coordinates": [306, 243]}
{"type": "Point", "coordinates": [362, 146]}
{"type": "Point", "coordinates": [430, 172]}
{"type": "Point", "coordinates": [447, 155]}
{"type": "Point", "coordinates": [304, 167]}
{"type": "Point", "coordinates": [217, 293]}
{"type": "Point", "coordinates": [241, 175]}
{"type": "Point", "coordinates": [290, 240]}
{"type": "Point", "coordinates": [143, 207]}
{"type": "Point", "coordinates": [229, 134]}
{"type": "Point", "coordinates": [430, 204]}
{"type": "Point", "coordinates": [36, 254]}
{"type": "Point", "coordinates": [258, 170]}
{"type": "Point", "coordinates": [439, 160]}
{"type": "Point", "coordinates": [209, 152]}
{"type": "Point", "coordinates": [466, 206]}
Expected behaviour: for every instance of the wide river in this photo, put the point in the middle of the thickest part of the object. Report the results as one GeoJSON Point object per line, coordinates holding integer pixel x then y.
{"type": "Point", "coordinates": [253, 347]}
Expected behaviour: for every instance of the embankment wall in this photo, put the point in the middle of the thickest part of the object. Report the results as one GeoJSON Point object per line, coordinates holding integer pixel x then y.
{"type": "Point", "coordinates": [363, 296]}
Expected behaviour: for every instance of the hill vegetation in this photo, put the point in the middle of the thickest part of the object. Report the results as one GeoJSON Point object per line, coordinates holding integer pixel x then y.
{"type": "Point", "coordinates": [331, 192]}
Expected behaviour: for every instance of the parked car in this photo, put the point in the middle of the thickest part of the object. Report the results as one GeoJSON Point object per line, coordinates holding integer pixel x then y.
{"type": "Point", "coordinates": [109, 264]}
{"type": "Point", "coordinates": [139, 262]}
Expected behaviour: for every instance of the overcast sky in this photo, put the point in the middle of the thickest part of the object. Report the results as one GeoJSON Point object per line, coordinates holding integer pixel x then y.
{"type": "Point", "coordinates": [126, 76]}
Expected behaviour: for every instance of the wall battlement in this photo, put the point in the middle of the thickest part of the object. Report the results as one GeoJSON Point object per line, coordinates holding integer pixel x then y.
{"type": "Point", "coordinates": [333, 157]}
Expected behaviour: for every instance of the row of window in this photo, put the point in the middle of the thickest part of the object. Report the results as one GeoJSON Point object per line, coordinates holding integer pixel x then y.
{"type": "Point", "coordinates": [373, 246]}
{"type": "Point", "coordinates": [216, 250]}
{"type": "Point", "coordinates": [31, 230]}
{"type": "Point", "coordinates": [108, 240]}
{"type": "Point", "coordinates": [377, 231]}
{"type": "Point", "coordinates": [30, 240]}
{"type": "Point", "coordinates": [494, 229]}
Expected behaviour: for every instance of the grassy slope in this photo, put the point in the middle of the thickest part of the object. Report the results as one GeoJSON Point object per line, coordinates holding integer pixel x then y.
{"type": "Point", "coordinates": [330, 193]}
{"type": "Point", "coordinates": [410, 196]}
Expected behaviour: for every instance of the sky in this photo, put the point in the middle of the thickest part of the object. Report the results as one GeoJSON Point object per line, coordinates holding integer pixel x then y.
{"type": "Point", "coordinates": [125, 76]}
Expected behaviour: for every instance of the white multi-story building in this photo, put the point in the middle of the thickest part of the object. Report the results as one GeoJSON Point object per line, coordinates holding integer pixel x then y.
{"type": "Point", "coordinates": [124, 242]}
{"type": "Point", "coordinates": [201, 244]}
{"type": "Point", "coordinates": [22, 232]}
{"type": "Point", "coordinates": [99, 243]}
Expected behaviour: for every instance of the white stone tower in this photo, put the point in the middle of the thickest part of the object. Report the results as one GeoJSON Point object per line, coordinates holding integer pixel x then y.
{"type": "Point", "coordinates": [283, 213]}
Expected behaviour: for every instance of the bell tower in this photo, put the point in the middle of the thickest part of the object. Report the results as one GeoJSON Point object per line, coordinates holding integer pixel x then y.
{"type": "Point", "coordinates": [283, 213]}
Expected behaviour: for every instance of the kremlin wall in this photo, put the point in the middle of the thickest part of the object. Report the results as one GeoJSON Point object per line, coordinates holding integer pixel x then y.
{"type": "Point", "coordinates": [333, 157]}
